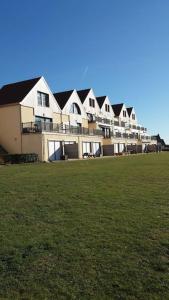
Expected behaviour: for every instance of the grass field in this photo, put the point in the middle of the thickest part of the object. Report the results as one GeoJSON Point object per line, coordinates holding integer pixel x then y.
{"type": "Point", "coordinates": [92, 229]}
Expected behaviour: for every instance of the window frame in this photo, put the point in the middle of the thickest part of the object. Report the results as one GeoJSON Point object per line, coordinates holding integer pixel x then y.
{"type": "Point", "coordinates": [43, 99]}
{"type": "Point", "coordinates": [124, 114]}
{"type": "Point", "coordinates": [91, 102]}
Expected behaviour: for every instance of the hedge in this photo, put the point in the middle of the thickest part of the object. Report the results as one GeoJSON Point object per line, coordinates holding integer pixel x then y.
{"type": "Point", "coordinates": [18, 158]}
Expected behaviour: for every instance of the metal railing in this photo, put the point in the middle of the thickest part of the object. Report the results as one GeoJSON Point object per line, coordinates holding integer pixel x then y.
{"type": "Point", "coordinates": [123, 124]}
{"type": "Point", "coordinates": [39, 127]}
{"type": "Point", "coordinates": [94, 119]}
{"type": "Point", "coordinates": [102, 120]}
{"type": "Point", "coordinates": [116, 123]}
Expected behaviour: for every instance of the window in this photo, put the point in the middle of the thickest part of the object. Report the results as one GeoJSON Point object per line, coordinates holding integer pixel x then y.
{"type": "Point", "coordinates": [43, 99]}
{"type": "Point", "coordinates": [75, 109]}
{"type": "Point", "coordinates": [124, 113]}
{"type": "Point", "coordinates": [107, 107]}
{"type": "Point", "coordinates": [91, 102]}
{"type": "Point", "coordinates": [133, 116]}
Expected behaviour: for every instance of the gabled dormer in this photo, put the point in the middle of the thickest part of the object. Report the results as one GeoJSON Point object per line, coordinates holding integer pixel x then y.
{"type": "Point", "coordinates": [72, 107]}
{"type": "Point", "coordinates": [132, 115]}
{"type": "Point", "coordinates": [120, 112]}
{"type": "Point", "coordinates": [89, 101]}
{"type": "Point", "coordinates": [105, 107]}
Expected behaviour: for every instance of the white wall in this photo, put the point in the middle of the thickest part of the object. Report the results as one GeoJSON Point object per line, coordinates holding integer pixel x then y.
{"type": "Point", "coordinates": [91, 110]}
{"type": "Point", "coordinates": [104, 113]}
{"type": "Point", "coordinates": [121, 117]}
{"type": "Point", "coordinates": [133, 122]}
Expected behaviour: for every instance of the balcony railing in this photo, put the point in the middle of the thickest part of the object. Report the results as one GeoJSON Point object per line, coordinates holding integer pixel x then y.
{"type": "Point", "coordinates": [93, 119]}
{"type": "Point", "coordinates": [154, 138]}
{"type": "Point", "coordinates": [145, 138]}
{"type": "Point", "coordinates": [103, 120]}
{"type": "Point", "coordinates": [116, 123]}
{"type": "Point", "coordinates": [134, 136]}
{"type": "Point", "coordinates": [40, 127]}
{"type": "Point", "coordinates": [123, 124]}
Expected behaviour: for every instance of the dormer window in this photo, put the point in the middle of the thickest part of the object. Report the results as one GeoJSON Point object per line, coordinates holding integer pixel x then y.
{"type": "Point", "coordinates": [75, 109]}
{"type": "Point", "coordinates": [124, 113]}
{"type": "Point", "coordinates": [43, 99]}
{"type": "Point", "coordinates": [133, 116]}
{"type": "Point", "coordinates": [107, 107]}
{"type": "Point", "coordinates": [91, 102]}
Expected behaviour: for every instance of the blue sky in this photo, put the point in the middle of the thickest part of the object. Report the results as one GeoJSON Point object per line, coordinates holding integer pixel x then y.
{"type": "Point", "coordinates": [120, 48]}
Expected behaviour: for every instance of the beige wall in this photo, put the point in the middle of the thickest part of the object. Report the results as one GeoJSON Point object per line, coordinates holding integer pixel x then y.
{"type": "Point", "coordinates": [10, 128]}
{"type": "Point", "coordinates": [107, 141]}
{"type": "Point", "coordinates": [92, 125]}
{"type": "Point", "coordinates": [56, 118]}
{"type": "Point", "coordinates": [85, 123]}
{"type": "Point", "coordinates": [64, 118]}
{"type": "Point", "coordinates": [32, 143]}
{"type": "Point", "coordinates": [27, 114]}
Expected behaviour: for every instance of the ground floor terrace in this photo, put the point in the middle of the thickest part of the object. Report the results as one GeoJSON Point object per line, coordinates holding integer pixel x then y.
{"type": "Point", "coordinates": [51, 146]}
{"type": "Point", "coordinates": [58, 141]}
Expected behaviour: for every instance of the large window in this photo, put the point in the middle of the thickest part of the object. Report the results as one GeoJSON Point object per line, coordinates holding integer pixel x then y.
{"type": "Point", "coordinates": [75, 109]}
{"type": "Point", "coordinates": [43, 99]}
{"type": "Point", "coordinates": [91, 102]}
{"type": "Point", "coordinates": [107, 107]}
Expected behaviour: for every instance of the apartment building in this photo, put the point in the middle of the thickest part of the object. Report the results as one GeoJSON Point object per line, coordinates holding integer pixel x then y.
{"type": "Point", "coordinates": [73, 123]}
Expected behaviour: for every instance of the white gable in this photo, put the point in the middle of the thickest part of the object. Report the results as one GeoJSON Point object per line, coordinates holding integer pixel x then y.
{"type": "Point", "coordinates": [74, 98]}
{"type": "Point", "coordinates": [92, 110]}
{"type": "Point", "coordinates": [104, 113]}
{"type": "Point", "coordinates": [133, 121]}
{"type": "Point", "coordinates": [74, 118]}
{"type": "Point", "coordinates": [31, 100]}
{"type": "Point", "coordinates": [121, 116]}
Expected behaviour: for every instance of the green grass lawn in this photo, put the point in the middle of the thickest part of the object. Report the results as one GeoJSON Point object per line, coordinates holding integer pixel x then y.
{"type": "Point", "coordinates": [92, 229]}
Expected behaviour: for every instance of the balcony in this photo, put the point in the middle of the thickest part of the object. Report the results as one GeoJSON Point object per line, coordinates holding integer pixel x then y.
{"type": "Point", "coordinates": [93, 119]}
{"type": "Point", "coordinates": [145, 138]}
{"type": "Point", "coordinates": [118, 134]}
{"type": "Point", "coordinates": [154, 138]}
{"type": "Point", "coordinates": [125, 135]}
{"type": "Point", "coordinates": [116, 123]}
{"type": "Point", "coordinates": [123, 124]}
{"type": "Point", "coordinates": [40, 127]}
{"type": "Point", "coordinates": [103, 120]}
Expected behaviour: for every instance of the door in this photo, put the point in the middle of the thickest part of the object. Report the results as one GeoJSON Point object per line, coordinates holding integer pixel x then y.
{"type": "Point", "coordinates": [54, 148]}
{"type": "Point", "coordinates": [96, 149]}
{"type": "Point", "coordinates": [86, 147]}
{"type": "Point", "coordinates": [121, 148]}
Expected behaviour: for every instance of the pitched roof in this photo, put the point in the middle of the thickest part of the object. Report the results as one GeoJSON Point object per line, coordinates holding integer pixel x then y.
{"type": "Point", "coordinates": [117, 108]}
{"type": "Point", "coordinates": [101, 100]}
{"type": "Point", "coordinates": [129, 110]}
{"type": "Point", "coordinates": [63, 97]}
{"type": "Point", "coordinates": [83, 94]}
{"type": "Point", "coordinates": [16, 92]}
